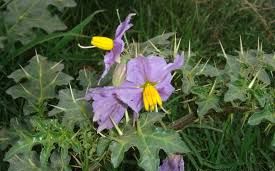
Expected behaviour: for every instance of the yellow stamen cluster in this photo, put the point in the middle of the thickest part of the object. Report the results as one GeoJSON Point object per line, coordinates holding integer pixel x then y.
{"type": "Point", "coordinates": [151, 97]}
{"type": "Point", "coordinates": [104, 43]}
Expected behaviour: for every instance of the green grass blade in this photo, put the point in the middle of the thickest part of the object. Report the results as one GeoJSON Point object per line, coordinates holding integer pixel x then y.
{"type": "Point", "coordinates": [76, 30]}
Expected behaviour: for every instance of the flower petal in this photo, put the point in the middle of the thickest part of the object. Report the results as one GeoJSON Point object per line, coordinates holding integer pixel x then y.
{"type": "Point", "coordinates": [124, 26]}
{"type": "Point", "coordinates": [142, 69]}
{"type": "Point", "coordinates": [117, 113]}
{"type": "Point", "coordinates": [114, 107]}
{"type": "Point", "coordinates": [178, 62]}
{"type": "Point", "coordinates": [111, 57]}
{"type": "Point", "coordinates": [131, 96]}
{"type": "Point", "coordinates": [172, 163]}
{"type": "Point", "coordinates": [137, 71]}
{"type": "Point", "coordinates": [165, 91]}
{"type": "Point", "coordinates": [156, 67]}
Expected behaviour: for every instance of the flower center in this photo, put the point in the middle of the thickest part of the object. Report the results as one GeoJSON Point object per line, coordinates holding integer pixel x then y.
{"type": "Point", "coordinates": [104, 43]}
{"type": "Point", "coordinates": [151, 97]}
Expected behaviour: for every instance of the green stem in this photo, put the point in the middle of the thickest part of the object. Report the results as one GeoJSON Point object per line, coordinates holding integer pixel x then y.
{"type": "Point", "coordinates": [139, 131]}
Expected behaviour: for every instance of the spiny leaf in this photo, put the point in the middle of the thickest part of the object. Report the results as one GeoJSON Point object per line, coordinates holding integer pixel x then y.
{"type": "Point", "coordinates": [264, 77]}
{"type": "Point", "coordinates": [37, 81]}
{"type": "Point", "coordinates": [208, 70]}
{"type": "Point", "coordinates": [269, 60]}
{"type": "Point", "coordinates": [25, 162]}
{"type": "Point", "coordinates": [232, 66]}
{"type": "Point", "coordinates": [7, 137]}
{"type": "Point", "coordinates": [148, 140]}
{"type": "Point", "coordinates": [157, 45]}
{"type": "Point", "coordinates": [188, 79]}
{"type": "Point", "coordinates": [24, 15]}
{"type": "Point", "coordinates": [261, 96]}
{"type": "Point", "coordinates": [192, 69]}
{"type": "Point", "coordinates": [236, 90]}
{"type": "Point", "coordinates": [60, 160]}
{"type": "Point", "coordinates": [47, 133]}
{"type": "Point", "coordinates": [88, 79]}
{"type": "Point", "coordinates": [76, 109]}
{"type": "Point", "coordinates": [102, 145]}
{"type": "Point", "coordinates": [211, 102]}
{"type": "Point", "coordinates": [268, 113]}
{"type": "Point", "coordinates": [206, 100]}
{"type": "Point", "coordinates": [187, 83]}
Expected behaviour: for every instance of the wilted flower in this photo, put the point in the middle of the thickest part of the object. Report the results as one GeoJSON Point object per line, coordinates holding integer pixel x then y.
{"type": "Point", "coordinates": [148, 82]}
{"type": "Point", "coordinates": [172, 163]}
{"type": "Point", "coordinates": [114, 46]}
{"type": "Point", "coordinates": [108, 109]}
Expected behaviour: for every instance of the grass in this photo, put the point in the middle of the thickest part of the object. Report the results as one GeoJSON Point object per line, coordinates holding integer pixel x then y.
{"type": "Point", "coordinates": [228, 146]}
{"type": "Point", "coordinates": [224, 145]}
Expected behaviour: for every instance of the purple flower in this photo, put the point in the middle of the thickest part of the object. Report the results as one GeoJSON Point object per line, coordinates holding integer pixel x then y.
{"type": "Point", "coordinates": [148, 82]}
{"type": "Point", "coordinates": [114, 54]}
{"type": "Point", "coordinates": [172, 163]}
{"type": "Point", "coordinates": [107, 107]}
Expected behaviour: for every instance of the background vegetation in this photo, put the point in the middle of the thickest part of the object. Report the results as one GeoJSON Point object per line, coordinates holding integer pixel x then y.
{"type": "Point", "coordinates": [221, 140]}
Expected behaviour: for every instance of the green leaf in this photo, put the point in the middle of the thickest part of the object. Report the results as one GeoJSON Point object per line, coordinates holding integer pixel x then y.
{"type": "Point", "coordinates": [48, 134]}
{"type": "Point", "coordinates": [76, 109]}
{"type": "Point", "coordinates": [37, 81]}
{"type": "Point", "coordinates": [87, 78]}
{"type": "Point", "coordinates": [261, 96]}
{"type": "Point", "coordinates": [102, 145]}
{"type": "Point", "coordinates": [25, 162]}
{"type": "Point", "coordinates": [206, 100]}
{"type": "Point", "coordinates": [208, 70]}
{"type": "Point", "coordinates": [24, 15]}
{"type": "Point", "coordinates": [149, 140]}
{"type": "Point", "coordinates": [7, 137]}
{"type": "Point", "coordinates": [264, 77]}
{"type": "Point", "coordinates": [232, 66]}
{"type": "Point", "coordinates": [236, 90]}
{"type": "Point", "coordinates": [188, 78]}
{"type": "Point", "coordinates": [211, 102]}
{"type": "Point", "coordinates": [268, 113]}
{"type": "Point", "coordinates": [157, 45]}
{"type": "Point", "coordinates": [23, 145]}
{"type": "Point", "coordinates": [192, 69]}
{"type": "Point", "coordinates": [60, 161]}
{"type": "Point", "coordinates": [2, 39]}
{"type": "Point", "coordinates": [273, 141]}
{"type": "Point", "coordinates": [269, 60]}
{"type": "Point", "coordinates": [187, 84]}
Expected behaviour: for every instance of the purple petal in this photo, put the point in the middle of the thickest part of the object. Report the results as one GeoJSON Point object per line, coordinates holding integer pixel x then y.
{"type": "Point", "coordinates": [136, 71]}
{"type": "Point", "coordinates": [178, 62]}
{"type": "Point", "coordinates": [111, 57]}
{"type": "Point", "coordinates": [131, 96]}
{"type": "Point", "coordinates": [117, 113]}
{"type": "Point", "coordinates": [164, 87]}
{"type": "Point", "coordinates": [156, 67]}
{"type": "Point", "coordinates": [172, 163]}
{"type": "Point", "coordinates": [113, 107]}
{"type": "Point", "coordinates": [165, 91]}
{"type": "Point", "coordinates": [114, 55]}
{"type": "Point", "coordinates": [142, 69]}
{"type": "Point", "coordinates": [124, 26]}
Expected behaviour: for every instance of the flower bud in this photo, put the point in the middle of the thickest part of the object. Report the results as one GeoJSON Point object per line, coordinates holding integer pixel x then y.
{"type": "Point", "coordinates": [119, 74]}
{"type": "Point", "coordinates": [104, 43]}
